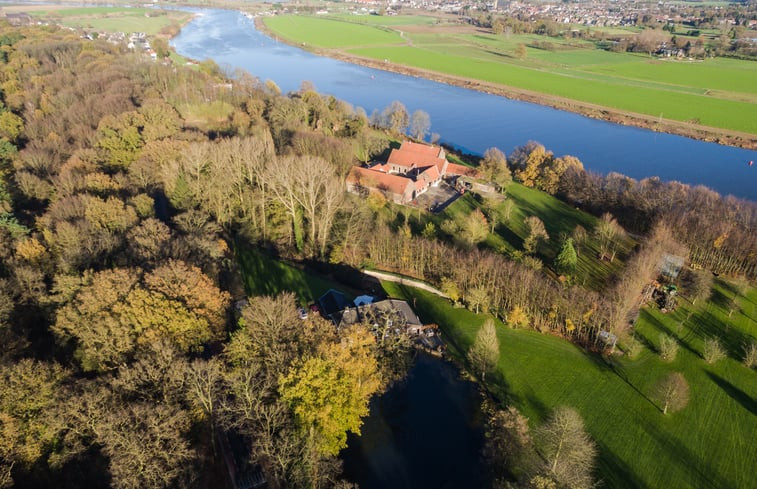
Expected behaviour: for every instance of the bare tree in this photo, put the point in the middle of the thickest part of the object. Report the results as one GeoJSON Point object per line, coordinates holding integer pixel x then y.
{"type": "Point", "coordinates": [668, 347]}
{"type": "Point", "coordinates": [568, 451]}
{"type": "Point", "coordinates": [750, 354]}
{"type": "Point", "coordinates": [420, 123]}
{"type": "Point", "coordinates": [713, 350]}
{"type": "Point", "coordinates": [672, 392]}
{"type": "Point", "coordinates": [484, 352]}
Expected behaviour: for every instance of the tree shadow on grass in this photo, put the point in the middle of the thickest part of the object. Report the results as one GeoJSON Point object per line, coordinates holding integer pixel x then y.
{"type": "Point", "coordinates": [617, 472]}
{"type": "Point", "coordinates": [706, 474]}
{"type": "Point", "coordinates": [706, 324]}
{"type": "Point", "coordinates": [663, 328]}
{"type": "Point", "coordinates": [736, 394]}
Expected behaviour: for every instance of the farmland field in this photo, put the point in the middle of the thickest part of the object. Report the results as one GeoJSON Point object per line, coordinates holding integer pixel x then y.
{"type": "Point", "coordinates": [710, 443]}
{"type": "Point", "coordinates": [720, 93]}
{"type": "Point", "coordinates": [113, 19]}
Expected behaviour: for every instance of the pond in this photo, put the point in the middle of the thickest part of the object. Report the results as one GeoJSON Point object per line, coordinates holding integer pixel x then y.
{"type": "Point", "coordinates": [424, 433]}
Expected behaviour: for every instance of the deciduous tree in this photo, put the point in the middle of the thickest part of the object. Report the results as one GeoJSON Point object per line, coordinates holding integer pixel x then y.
{"type": "Point", "coordinates": [568, 451]}
{"type": "Point", "coordinates": [484, 352]}
{"type": "Point", "coordinates": [672, 392]}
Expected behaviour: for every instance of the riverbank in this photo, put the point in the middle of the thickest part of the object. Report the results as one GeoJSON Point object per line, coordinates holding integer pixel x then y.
{"type": "Point", "coordinates": [686, 129]}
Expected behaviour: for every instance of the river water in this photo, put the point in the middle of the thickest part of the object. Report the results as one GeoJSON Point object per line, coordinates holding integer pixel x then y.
{"type": "Point", "coordinates": [470, 120]}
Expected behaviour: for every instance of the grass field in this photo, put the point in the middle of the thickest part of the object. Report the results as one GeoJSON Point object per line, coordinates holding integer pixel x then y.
{"type": "Point", "coordinates": [719, 93]}
{"type": "Point", "coordinates": [559, 219]}
{"type": "Point", "coordinates": [114, 19]}
{"type": "Point", "coordinates": [330, 33]}
{"type": "Point", "coordinates": [709, 444]}
{"type": "Point", "coordinates": [265, 276]}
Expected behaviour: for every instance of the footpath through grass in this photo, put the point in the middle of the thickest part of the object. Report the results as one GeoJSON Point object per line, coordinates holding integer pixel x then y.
{"type": "Point", "coordinates": [709, 444]}
{"type": "Point", "coordinates": [715, 92]}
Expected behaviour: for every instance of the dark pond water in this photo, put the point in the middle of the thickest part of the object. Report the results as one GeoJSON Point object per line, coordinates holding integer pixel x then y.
{"type": "Point", "coordinates": [422, 434]}
{"type": "Point", "coordinates": [468, 119]}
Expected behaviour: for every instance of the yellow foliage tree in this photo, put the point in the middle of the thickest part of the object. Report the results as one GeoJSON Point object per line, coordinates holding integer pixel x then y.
{"type": "Point", "coordinates": [518, 317]}
{"type": "Point", "coordinates": [329, 392]}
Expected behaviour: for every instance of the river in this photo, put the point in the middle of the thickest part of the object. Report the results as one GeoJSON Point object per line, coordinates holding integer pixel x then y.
{"type": "Point", "coordinates": [469, 120]}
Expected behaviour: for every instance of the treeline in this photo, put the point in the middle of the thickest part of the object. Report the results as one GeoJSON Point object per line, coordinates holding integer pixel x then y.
{"type": "Point", "coordinates": [718, 231]}
{"type": "Point", "coordinates": [124, 184]}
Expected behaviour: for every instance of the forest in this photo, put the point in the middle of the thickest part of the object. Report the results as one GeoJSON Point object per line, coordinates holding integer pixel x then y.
{"type": "Point", "coordinates": [132, 352]}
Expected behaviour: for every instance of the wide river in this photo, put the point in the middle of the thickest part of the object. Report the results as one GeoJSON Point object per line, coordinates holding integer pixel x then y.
{"type": "Point", "coordinates": [470, 120]}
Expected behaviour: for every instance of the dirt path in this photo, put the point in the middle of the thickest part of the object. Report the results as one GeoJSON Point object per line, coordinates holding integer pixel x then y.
{"type": "Point", "coordinates": [405, 281]}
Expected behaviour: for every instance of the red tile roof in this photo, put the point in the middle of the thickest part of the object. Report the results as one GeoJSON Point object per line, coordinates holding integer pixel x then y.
{"type": "Point", "coordinates": [425, 149]}
{"type": "Point", "coordinates": [375, 179]}
{"type": "Point", "coordinates": [455, 169]}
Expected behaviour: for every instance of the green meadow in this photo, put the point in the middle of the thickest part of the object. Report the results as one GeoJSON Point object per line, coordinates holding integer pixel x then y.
{"type": "Point", "coordinates": [709, 444]}
{"type": "Point", "coordinates": [559, 220]}
{"type": "Point", "coordinates": [115, 19]}
{"type": "Point", "coordinates": [719, 93]}
{"type": "Point", "coordinates": [329, 33]}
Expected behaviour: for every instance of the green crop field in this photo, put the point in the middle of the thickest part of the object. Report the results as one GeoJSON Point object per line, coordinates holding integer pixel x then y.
{"type": "Point", "coordinates": [384, 20]}
{"type": "Point", "coordinates": [328, 33]}
{"type": "Point", "coordinates": [710, 443]}
{"type": "Point", "coordinates": [719, 93]}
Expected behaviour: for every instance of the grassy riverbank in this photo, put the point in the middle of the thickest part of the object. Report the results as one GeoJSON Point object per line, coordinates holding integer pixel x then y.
{"type": "Point", "coordinates": [716, 96]}
{"type": "Point", "coordinates": [707, 444]}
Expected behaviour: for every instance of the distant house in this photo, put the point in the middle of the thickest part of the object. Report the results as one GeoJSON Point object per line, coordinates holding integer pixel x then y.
{"type": "Point", "coordinates": [408, 172]}
{"type": "Point", "coordinates": [390, 313]}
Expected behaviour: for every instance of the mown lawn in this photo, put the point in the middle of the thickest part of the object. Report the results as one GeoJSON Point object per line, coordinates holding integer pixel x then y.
{"type": "Point", "coordinates": [715, 92]}
{"type": "Point", "coordinates": [264, 275]}
{"type": "Point", "coordinates": [710, 443]}
{"type": "Point", "coordinates": [559, 219]}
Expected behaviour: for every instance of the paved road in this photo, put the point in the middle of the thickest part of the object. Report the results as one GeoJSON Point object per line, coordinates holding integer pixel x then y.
{"type": "Point", "coordinates": [405, 281]}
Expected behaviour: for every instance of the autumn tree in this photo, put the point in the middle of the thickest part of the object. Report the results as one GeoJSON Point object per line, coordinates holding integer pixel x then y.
{"type": "Point", "coordinates": [29, 391]}
{"type": "Point", "coordinates": [672, 392]}
{"type": "Point", "coordinates": [607, 233]}
{"type": "Point", "coordinates": [328, 393]}
{"type": "Point", "coordinates": [536, 233]}
{"type": "Point", "coordinates": [146, 445]}
{"type": "Point", "coordinates": [395, 117]}
{"type": "Point", "coordinates": [508, 447]}
{"type": "Point", "coordinates": [420, 124]}
{"type": "Point", "coordinates": [698, 284]}
{"type": "Point", "coordinates": [521, 52]}
{"type": "Point", "coordinates": [114, 312]}
{"type": "Point", "coordinates": [484, 352]}
{"type": "Point", "coordinates": [494, 168]}
{"type": "Point", "coordinates": [568, 452]}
